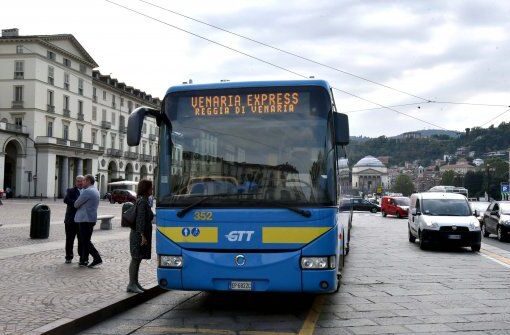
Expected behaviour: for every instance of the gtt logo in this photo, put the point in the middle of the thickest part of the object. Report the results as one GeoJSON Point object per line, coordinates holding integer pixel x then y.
{"type": "Point", "coordinates": [240, 235]}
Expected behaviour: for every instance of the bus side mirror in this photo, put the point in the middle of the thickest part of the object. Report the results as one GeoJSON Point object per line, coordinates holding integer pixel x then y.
{"type": "Point", "coordinates": [135, 124]}
{"type": "Point", "coordinates": [341, 129]}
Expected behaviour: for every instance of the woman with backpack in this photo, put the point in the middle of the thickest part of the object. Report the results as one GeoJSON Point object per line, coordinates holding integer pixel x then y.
{"type": "Point", "coordinates": [140, 237]}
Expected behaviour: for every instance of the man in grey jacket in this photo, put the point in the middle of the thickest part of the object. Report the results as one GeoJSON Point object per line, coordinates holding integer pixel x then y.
{"type": "Point", "coordinates": [86, 216]}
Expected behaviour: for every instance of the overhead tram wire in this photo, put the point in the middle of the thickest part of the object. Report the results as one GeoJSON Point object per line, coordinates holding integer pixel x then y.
{"type": "Point", "coordinates": [284, 51]}
{"type": "Point", "coordinates": [426, 100]}
{"type": "Point", "coordinates": [266, 62]}
{"type": "Point", "coordinates": [494, 118]}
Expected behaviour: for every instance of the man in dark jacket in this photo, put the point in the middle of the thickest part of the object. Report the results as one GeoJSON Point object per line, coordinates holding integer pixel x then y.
{"type": "Point", "coordinates": [72, 228]}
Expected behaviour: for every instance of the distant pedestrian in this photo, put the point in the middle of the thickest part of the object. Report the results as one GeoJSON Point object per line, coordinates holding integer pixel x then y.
{"type": "Point", "coordinates": [86, 216]}
{"type": "Point", "coordinates": [140, 237]}
{"type": "Point", "coordinates": [71, 227]}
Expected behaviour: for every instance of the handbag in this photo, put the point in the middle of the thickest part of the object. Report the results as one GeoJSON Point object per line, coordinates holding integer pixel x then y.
{"type": "Point", "coordinates": [129, 217]}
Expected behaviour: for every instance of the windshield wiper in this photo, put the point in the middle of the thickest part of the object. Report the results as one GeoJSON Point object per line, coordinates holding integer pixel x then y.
{"type": "Point", "coordinates": [306, 213]}
{"type": "Point", "coordinates": [182, 212]}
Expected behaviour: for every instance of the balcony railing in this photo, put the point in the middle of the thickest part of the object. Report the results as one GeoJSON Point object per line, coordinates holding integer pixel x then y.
{"type": "Point", "coordinates": [155, 159]}
{"type": "Point", "coordinates": [145, 158]}
{"type": "Point", "coordinates": [152, 137]}
{"type": "Point", "coordinates": [62, 141]}
{"type": "Point", "coordinates": [81, 116]}
{"type": "Point", "coordinates": [114, 152]}
{"type": "Point", "coordinates": [67, 112]}
{"type": "Point", "coordinates": [88, 146]}
{"type": "Point", "coordinates": [122, 128]}
{"type": "Point", "coordinates": [75, 144]}
{"type": "Point", "coordinates": [13, 127]}
{"type": "Point", "coordinates": [114, 105]}
{"type": "Point", "coordinates": [94, 98]}
{"type": "Point", "coordinates": [17, 104]}
{"type": "Point", "coordinates": [50, 108]}
{"type": "Point", "coordinates": [106, 125]}
{"type": "Point", "coordinates": [130, 155]}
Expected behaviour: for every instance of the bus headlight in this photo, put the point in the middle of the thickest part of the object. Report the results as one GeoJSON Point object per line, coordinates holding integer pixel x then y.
{"type": "Point", "coordinates": [170, 261]}
{"type": "Point", "coordinates": [318, 263]}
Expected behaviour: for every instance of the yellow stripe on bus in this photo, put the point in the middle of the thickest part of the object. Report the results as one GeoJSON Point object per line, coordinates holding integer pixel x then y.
{"type": "Point", "coordinates": [292, 234]}
{"type": "Point", "coordinates": [206, 235]}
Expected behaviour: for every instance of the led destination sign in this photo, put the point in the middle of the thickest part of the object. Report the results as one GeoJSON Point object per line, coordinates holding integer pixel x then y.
{"type": "Point", "coordinates": [245, 104]}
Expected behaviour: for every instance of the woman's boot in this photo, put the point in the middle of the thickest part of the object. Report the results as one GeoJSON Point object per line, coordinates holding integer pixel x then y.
{"type": "Point", "coordinates": [136, 278]}
{"type": "Point", "coordinates": [133, 277]}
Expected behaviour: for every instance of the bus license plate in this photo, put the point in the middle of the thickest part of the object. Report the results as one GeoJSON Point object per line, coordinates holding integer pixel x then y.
{"type": "Point", "coordinates": [454, 237]}
{"type": "Point", "coordinates": [240, 285]}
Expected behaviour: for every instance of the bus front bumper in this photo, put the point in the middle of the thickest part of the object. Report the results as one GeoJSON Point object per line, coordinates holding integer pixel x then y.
{"type": "Point", "coordinates": [260, 272]}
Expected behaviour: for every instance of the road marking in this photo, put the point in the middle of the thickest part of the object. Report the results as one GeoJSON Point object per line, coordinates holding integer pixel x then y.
{"type": "Point", "coordinates": [501, 260]}
{"type": "Point", "coordinates": [313, 316]}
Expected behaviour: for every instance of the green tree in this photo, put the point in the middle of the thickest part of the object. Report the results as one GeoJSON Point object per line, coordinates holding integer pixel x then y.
{"type": "Point", "coordinates": [474, 182]}
{"type": "Point", "coordinates": [448, 178]}
{"type": "Point", "coordinates": [403, 184]}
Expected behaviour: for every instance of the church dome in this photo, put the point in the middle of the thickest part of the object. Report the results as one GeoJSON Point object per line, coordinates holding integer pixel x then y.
{"type": "Point", "coordinates": [369, 161]}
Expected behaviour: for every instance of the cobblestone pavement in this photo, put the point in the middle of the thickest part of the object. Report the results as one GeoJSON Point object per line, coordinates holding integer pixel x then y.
{"type": "Point", "coordinates": [38, 288]}
{"type": "Point", "coordinates": [389, 286]}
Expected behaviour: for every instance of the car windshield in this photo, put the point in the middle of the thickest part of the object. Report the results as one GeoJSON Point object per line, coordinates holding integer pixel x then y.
{"type": "Point", "coordinates": [402, 201]}
{"type": "Point", "coordinates": [480, 206]}
{"type": "Point", "coordinates": [256, 146]}
{"type": "Point", "coordinates": [504, 208]}
{"type": "Point", "coordinates": [446, 207]}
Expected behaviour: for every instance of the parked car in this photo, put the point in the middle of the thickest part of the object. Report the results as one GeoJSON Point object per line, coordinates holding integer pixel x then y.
{"type": "Point", "coordinates": [496, 220]}
{"type": "Point", "coordinates": [443, 218]}
{"type": "Point", "coordinates": [398, 206]}
{"type": "Point", "coordinates": [479, 208]}
{"type": "Point", "coordinates": [359, 204]}
{"type": "Point", "coordinates": [122, 196]}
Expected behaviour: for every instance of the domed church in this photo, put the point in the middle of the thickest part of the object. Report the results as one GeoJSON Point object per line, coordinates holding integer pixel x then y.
{"type": "Point", "coordinates": [368, 174]}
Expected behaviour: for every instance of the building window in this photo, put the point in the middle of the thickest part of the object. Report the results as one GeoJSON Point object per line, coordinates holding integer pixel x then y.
{"type": "Point", "coordinates": [150, 150]}
{"type": "Point", "coordinates": [103, 115]}
{"type": "Point", "coordinates": [80, 86]}
{"type": "Point", "coordinates": [94, 113]}
{"type": "Point", "coordinates": [18, 121]}
{"type": "Point", "coordinates": [79, 135]}
{"type": "Point", "coordinates": [113, 119]}
{"type": "Point", "coordinates": [18, 93]}
{"type": "Point", "coordinates": [104, 95]}
{"type": "Point", "coordinates": [19, 49]}
{"type": "Point", "coordinates": [19, 67]}
{"type": "Point", "coordinates": [121, 102]}
{"type": "Point", "coordinates": [66, 103]}
{"type": "Point", "coordinates": [144, 128]}
{"type": "Point", "coordinates": [51, 75]}
{"type": "Point", "coordinates": [144, 146]}
{"type": "Point", "coordinates": [49, 129]}
{"type": "Point", "coordinates": [67, 62]}
{"type": "Point", "coordinates": [50, 55]}
{"type": "Point", "coordinates": [94, 93]}
{"type": "Point", "coordinates": [113, 141]}
{"type": "Point", "coordinates": [83, 69]}
{"type": "Point", "coordinates": [66, 81]}
{"type": "Point", "coordinates": [103, 140]}
{"type": "Point", "coordinates": [51, 102]}
{"type": "Point", "coordinates": [80, 107]}
{"type": "Point", "coordinates": [94, 135]}
{"type": "Point", "coordinates": [130, 106]}
{"type": "Point", "coordinates": [121, 144]}
{"type": "Point", "coordinates": [65, 131]}
{"type": "Point", "coordinates": [113, 101]}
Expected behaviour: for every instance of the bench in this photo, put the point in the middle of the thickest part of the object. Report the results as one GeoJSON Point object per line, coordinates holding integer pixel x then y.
{"type": "Point", "coordinates": [106, 221]}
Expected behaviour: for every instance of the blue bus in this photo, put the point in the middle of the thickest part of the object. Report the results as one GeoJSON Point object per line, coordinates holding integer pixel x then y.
{"type": "Point", "coordinates": [247, 186]}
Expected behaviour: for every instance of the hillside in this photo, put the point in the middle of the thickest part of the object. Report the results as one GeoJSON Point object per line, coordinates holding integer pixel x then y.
{"type": "Point", "coordinates": [427, 149]}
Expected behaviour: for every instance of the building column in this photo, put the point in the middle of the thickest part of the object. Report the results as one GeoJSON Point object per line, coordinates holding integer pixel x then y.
{"type": "Point", "coordinates": [79, 169]}
{"type": "Point", "coordinates": [64, 178]}
{"type": "Point", "coordinates": [46, 174]}
{"type": "Point", "coordinates": [2, 170]}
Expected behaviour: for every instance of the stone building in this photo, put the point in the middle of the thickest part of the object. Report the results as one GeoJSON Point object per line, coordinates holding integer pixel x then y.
{"type": "Point", "coordinates": [369, 174]}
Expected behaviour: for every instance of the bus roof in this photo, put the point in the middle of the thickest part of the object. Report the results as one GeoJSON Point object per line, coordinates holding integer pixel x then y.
{"type": "Point", "coordinates": [242, 84]}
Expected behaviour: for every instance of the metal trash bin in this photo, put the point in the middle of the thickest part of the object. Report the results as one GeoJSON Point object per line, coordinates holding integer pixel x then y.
{"type": "Point", "coordinates": [125, 207]}
{"type": "Point", "coordinates": [40, 221]}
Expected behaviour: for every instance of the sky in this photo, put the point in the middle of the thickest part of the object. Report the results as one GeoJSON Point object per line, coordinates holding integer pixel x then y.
{"type": "Point", "coordinates": [440, 50]}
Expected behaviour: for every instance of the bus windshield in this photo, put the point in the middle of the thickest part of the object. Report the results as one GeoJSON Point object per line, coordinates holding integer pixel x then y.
{"type": "Point", "coordinates": [253, 147]}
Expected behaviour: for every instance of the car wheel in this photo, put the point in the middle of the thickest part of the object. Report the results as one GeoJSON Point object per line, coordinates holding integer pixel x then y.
{"type": "Point", "coordinates": [112, 201]}
{"type": "Point", "coordinates": [475, 247]}
{"type": "Point", "coordinates": [485, 233]}
{"type": "Point", "coordinates": [412, 239]}
{"type": "Point", "coordinates": [383, 213]}
{"type": "Point", "coordinates": [423, 245]}
{"type": "Point", "coordinates": [373, 210]}
{"type": "Point", "coordinates": [501, 237]}
{"type": "Point", "coordinates": [399, 216]}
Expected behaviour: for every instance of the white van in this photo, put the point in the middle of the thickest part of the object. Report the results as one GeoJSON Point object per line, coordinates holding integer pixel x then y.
{"type": "Point", "coordinates": [436, 217]}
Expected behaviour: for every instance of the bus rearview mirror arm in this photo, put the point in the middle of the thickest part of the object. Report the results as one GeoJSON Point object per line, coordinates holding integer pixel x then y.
{"type": "Point", "coordinates": [135, 123]}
